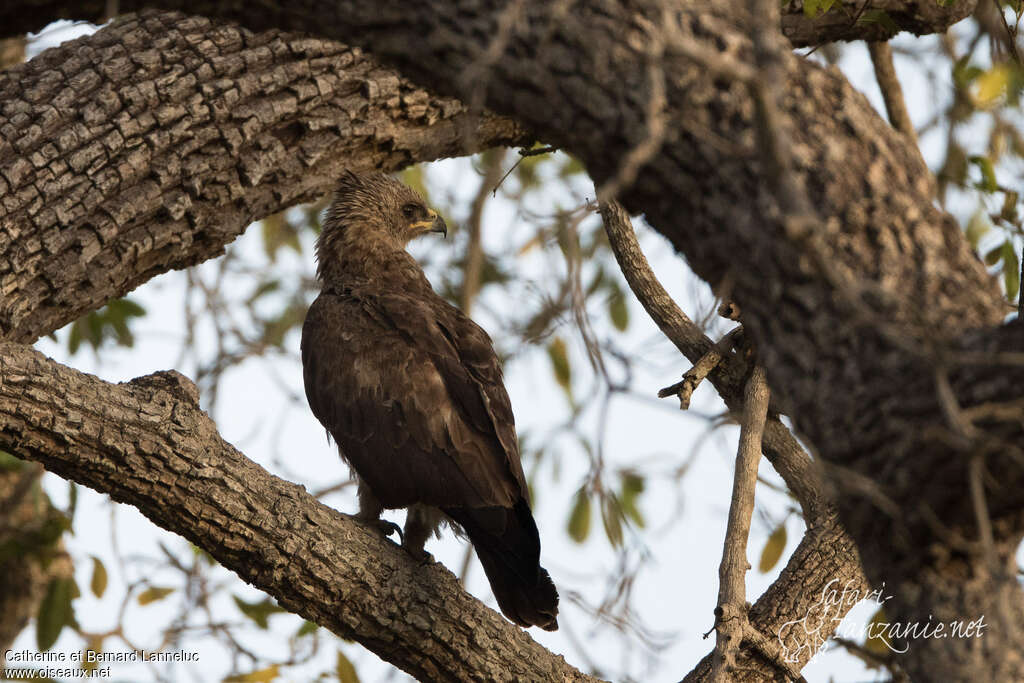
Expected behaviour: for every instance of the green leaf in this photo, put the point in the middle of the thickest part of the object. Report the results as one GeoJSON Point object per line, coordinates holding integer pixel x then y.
{"type": "Point", "coordinates": [95, 644]}
{"type": "Point", "coordinates": [994, 255]}
{"type": "Point", "coordinates": [9, 463]}
{"type": "Point", "coordinates": [98, 584]}
{"type": "Point", "coordinates": [75, 337]}
{"type": "Point", "coordinates": [72, 502]}
{"type": "Point", "coordinates": [1009, 210]}
{"type": "Point", "coordinates": [813, 7]}
{"type": "Point", "coordinates": [54, 613]}
{"type": "Point", "coordinates": [260, 676]}
{"type": "Point", "coordinates": [773, 549]}
{"type": "Point", "coordinates": [964, 73]}
{"type": "Point", "coordinates": [278, 232]}
{"type": "Point", "coordinates": [560, 363]}
{"type": "Point", "coordinates": [611, 516]}
{"type": "Point", "coordinates": [94, 328]}
{"type": "Point", "coordinates": [126, 308]}
{"type": "Point", "coordinates": [345, 671]}
{"type": "Point", "coordinates": [110, 322]}
{"type": "Point", "coordinates": [991, 84]}
{"type": "Point", "coordinates": [978, 227]}
{"type": "Point", "coordinates": [878, 641]}
{"type": "Point", "coordinates": [308, 628]}
{"type": "Point", "coordinates": [618, 311]}
{"type": "Point", "coordinates": [988, 174]}
{"type": "Point", "coordinates": [579, 518]}
{"type": "Point", "coordinates": [154, 594]}
{"type": "Point", "coordinates": [263, 288]}
{"type": "Point", "coordinates": [413, 177]}
{"type": "Point", "coordinates": [258, 611]}
{"type": "Point", "coordinates": [632, 486]}
{"type": "Point", "coordinates": [1011, 270]}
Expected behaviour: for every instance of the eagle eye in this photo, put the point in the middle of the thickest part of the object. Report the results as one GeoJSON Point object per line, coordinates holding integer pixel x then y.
{"type": "Point", "coordinates": [410, 211]}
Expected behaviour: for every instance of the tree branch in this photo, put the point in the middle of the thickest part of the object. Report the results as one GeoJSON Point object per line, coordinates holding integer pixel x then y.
{"type": "Point", "coordinates": [840, 23]}
{"type": "Point", "coordinates": [892, 93]}
{"type": "Point", "coordinates": [731, 613]}
{"type": "Point", "coordinates": [166, 136]}
{"type": "Point", "coordinates": [147, 443]}
{"type": "Point", "coordinates": [846, 20]}
{"type": "Point", "coordinates": [827, 553]}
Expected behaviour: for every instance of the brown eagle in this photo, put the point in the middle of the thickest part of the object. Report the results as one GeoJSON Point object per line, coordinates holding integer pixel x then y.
{"type": "Point", "coordinates": [411, 390]}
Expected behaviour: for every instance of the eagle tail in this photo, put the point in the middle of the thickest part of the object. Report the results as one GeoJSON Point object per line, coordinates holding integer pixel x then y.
{"type": "Point", "coordinates": [508, 545]}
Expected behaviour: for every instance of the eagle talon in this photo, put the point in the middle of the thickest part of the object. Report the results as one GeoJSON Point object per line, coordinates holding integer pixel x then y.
{"type": "Point", "coordinates": [384, 528]}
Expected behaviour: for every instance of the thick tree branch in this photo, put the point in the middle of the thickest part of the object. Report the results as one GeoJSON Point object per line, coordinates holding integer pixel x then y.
{"type": "Point", "coordinates": [845, 21]}
{"type": "Point", "coordinates": [860, 19]}
{"type": "Point", "coordinates": [153, 143]}
{"type": "Point", "coordinates": [147, 443]}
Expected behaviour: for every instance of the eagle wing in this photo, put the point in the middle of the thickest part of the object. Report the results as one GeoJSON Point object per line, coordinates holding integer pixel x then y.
{"type": "Point", "coordinates": [411, 390]}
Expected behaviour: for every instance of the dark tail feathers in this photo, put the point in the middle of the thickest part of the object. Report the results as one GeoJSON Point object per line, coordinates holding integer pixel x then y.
{"type": "Point", "coordinates": [508, 545]}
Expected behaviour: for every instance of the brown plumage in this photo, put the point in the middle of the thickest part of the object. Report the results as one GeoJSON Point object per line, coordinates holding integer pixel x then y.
{"type": "Point", "coordinates": [412, 392]}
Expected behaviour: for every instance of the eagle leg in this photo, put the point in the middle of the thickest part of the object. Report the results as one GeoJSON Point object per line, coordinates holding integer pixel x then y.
{"type": "Point", "coordinates": [420, 522]}
{"type": "Point", "coordinates": [370, 508]}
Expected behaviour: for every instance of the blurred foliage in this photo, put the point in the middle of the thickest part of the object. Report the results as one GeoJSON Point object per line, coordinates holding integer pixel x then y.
{"type": "Point", "coordinates": [110, 323]}
{"type": "Point", "coordinates": [773, 548]}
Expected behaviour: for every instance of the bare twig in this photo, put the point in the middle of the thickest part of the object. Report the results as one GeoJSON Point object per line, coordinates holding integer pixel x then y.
{"type": "Point", "coordinates": [523, 153]}
{"type": "Point", "coordinates": [694, 376]}
{"type": "Point", "coordinates": [473, 270]}
{"type": "Point", "coordinates": [1011, 37]}
{"type": "Point", "coordinates": [731, 613]}
{"type": "Point", "coordinates": [786, 454]}
{"type": "Point", "coordinates": [892, 93]}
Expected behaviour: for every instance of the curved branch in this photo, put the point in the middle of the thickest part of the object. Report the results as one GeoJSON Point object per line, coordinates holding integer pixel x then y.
{"type": "Point", "coordinates": [147, 443]}
{"type": "Point", "coordinates": [827, 554]}
{"type": "Point", "coordinates": [842, 22]}
{"type": "Point", "coordinates": [870, 20]}
{"type": "Point", "coordinates": [153, 143]}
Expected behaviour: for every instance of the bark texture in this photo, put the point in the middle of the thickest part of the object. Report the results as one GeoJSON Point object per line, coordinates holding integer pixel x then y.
{"type": "Point", "coordinates": [845, 21]}
{"type": "Point", "coordinates": [153, 143]}
{"type": "Point", "coordinates": [859, 20]}
{"type": "Point", "coordinates": [875, 321]}
{"type": "Point", "coordinates": [147, 443]}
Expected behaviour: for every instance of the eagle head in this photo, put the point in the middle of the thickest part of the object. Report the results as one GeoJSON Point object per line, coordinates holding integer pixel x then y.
{"type": "Point", "coordinates": [376, 207]}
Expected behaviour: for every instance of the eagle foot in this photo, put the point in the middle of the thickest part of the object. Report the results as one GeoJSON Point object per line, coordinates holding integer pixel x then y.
{"type": "Point", "coordinates": [384, 528]}
{"type": "Point", "coordinates": [419, 554]}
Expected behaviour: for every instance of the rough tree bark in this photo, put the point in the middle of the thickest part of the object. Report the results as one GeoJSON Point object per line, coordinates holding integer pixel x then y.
{"type": "Point", "coordinates": [154, 143]}
{"type": "Point", "coordinates": [881, 332]}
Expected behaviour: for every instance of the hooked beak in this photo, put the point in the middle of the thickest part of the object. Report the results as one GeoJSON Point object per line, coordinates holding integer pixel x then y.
{"type": "Point", "coordinates": [434, 224]}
